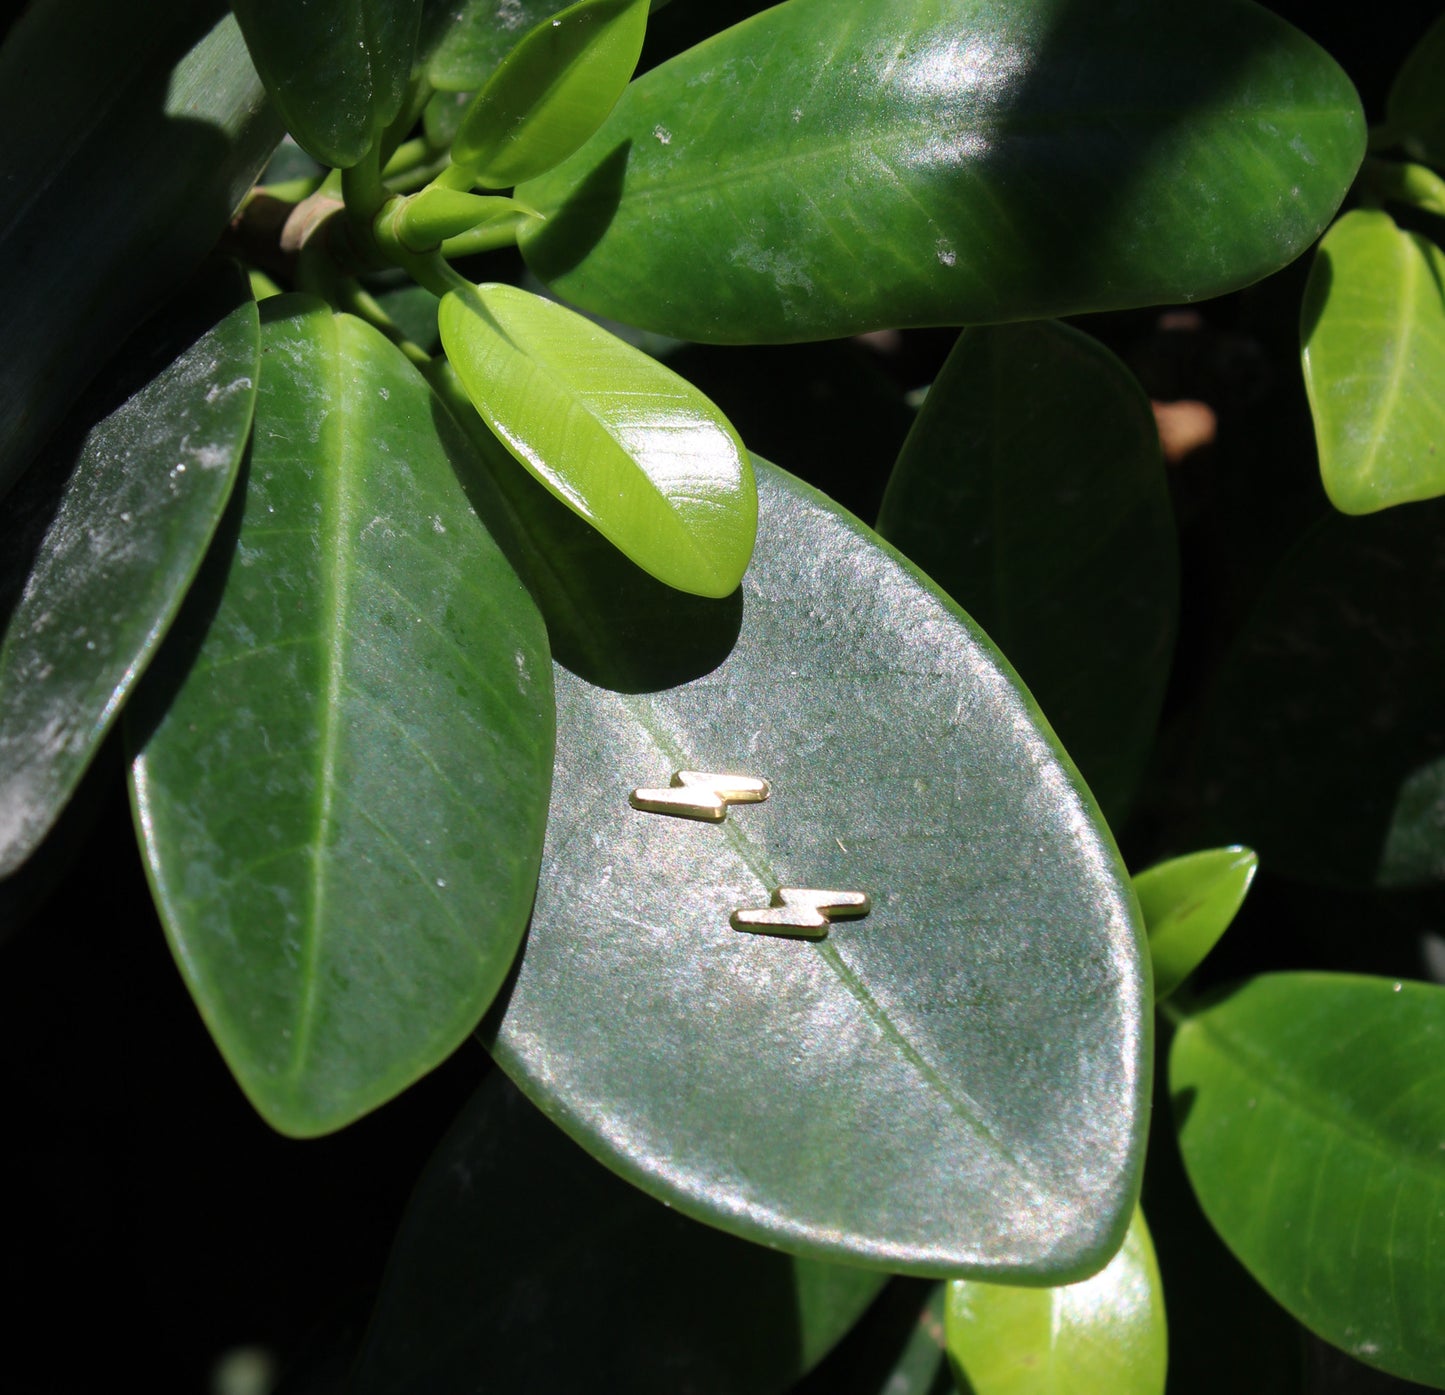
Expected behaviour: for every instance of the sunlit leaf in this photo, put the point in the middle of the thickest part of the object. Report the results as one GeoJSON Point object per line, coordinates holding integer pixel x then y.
{"type": "Point", "coordinates": [342, 804]}
{"type": "Point", "coordinates": [1188, 903]}
{"type": "Point", "coordinates": [1373, 333]}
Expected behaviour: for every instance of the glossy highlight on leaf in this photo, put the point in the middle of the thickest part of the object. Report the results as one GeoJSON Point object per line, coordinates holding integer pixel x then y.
{"type": "Point", "coordinates": [950, 1084]}
{"type": "Point", "coordinates": [1103, 1336]}
{"type": "Point", "coordinates": [824, 169]}
{"type": "Point", "coordinates": [1373, 332]}
{"type": "Point", "coordinates": [1032, 490]}
{"type": "Point", "coordinates": [344, 767]}
{"type": "Point", "coordinates": [101, 540]}
{"type": "Point", "coordinates": [1310, 1113]}
{"type": "Point", "coordinates": [336, 69]}
{"type": "Point", "coordinates": [514, 1235]}
{"type": "Point", "coordinates": [551, 92]}
{"type": "Point", "coordinates": [620, 439]}
{"type": "Point", "coordinates": [1188, 903]}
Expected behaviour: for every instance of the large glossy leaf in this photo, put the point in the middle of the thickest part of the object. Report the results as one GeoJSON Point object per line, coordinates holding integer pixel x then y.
{"type": "Point", "coordinates": [1324, 735]}
{"type": "Point", "coordinates": [823, 169]}
{"type": "Point", "coordinates": [523, 1265]}
{"type": "Point", "coordinates": [1103, 1336]}
{"type": "Point", "coordinates": [1373, 334]}
{"type": "Point", "coordinates": [342, 806]}
{"type": "Point", "coordinates": [950, 1084]}
{"type": "Point", "coordinates": [633, 448]}
{"type": "Point", "coordinates": [1311, 1111]}
{"type": "Point", "coordinates": [1415, 111]}
{"type": "Point", "coordinates": [151, 134]}
{"type": "Point", "coordinates": [1188, 903]}
{"type": "Point", "coordinates": [336, 69]}
{"type": "Point", "coordinates": [1031, 489]}
{"type": "Point", "coordinates": [551, 92]}
{"type": "Point", "coordinates": [101, 540]}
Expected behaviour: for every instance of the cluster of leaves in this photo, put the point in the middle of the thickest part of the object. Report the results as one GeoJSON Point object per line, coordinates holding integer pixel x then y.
{"type": "Point", "coordinates": [397, 582]}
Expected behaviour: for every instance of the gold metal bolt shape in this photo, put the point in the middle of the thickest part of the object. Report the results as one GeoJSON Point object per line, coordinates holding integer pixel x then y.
{"type": "Point", "coordinates": [695, 795]}
{"type": "Point", "coordinates": [800, 910]}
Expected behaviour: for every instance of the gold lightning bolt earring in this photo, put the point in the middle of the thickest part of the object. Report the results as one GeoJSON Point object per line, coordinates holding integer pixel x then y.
{"type": "Point", "coordinates": [802, 911]}
{"type": "Point", "coordinates": [695, 795]}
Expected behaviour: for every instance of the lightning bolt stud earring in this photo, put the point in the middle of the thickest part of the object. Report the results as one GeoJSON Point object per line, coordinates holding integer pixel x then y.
{"type": "Point", "coordinates": [695, 795]}
{"type": "Point", "coordinates": [802, 911]}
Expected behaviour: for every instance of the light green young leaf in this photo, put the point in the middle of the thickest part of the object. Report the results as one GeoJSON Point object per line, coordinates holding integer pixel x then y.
{"type": "Point", "coordinates": [1103, 1336]}
{"type": "Point", "coordinates": [1082, 595]}
{"type": "Point", "coordinates": [342, 804]}
{"type": "Point", "coordinates": [1415, 109]}
{"type": "Point", "coordinates": [551, 92]}
{"type": "Point", "coordinates": [102, 538]}
{"type": "Point", "coordinates": [620, 439]}
{"type": "Point", "coordinates": [1311, 1112]}
{"type": "Point", "coordinates": [1404, 182]}
{"type": "Point", "coordinates": [1372, 328]}
{"type": "Point", "coordinates": [825, 168]}
{"type": "Point", "coordinates": [337, 69]}
{"type": "Point", "coordinates": [1188, 903]}
{"type": "Point", "coordinates": [514, 1236]}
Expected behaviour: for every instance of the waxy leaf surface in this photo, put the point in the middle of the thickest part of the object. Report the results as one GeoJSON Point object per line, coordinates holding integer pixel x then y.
{"type": "Point", "coordinates": [822, 169]}
{"type": "Point", "coordinates": [463, 41]}
{"type": "Point", "coordinates": [514, 1236]}
{"type": "Point", "coordinates": [1324, 734]}
{"type": "Point", "coordinates": [1415, 111]}
{"type": "Point", "coordinates": [551, 92]}
{"type": "Point", "coordinates": [1373, 332]}
{"type": "Point", "coordinates": [342, 805]}
{"type": "Point", "coordinates": [1188, 903]}
{"type": "Point", "coordinates": [152, 133]}
{"type": "Point", "coordinates": [1103, 1336]}
{"type": "Point", "coordinates": [1311, 1113]}
{"type": "Point", "coordinates": [1032, 490]}
{"type": "Point", "coordinates": [950, 1084]}
{"type": "Point", "coordinates": [620, 439]}
{"type": "Point", "coordinates": [337, 70]}
{"type": "Point", "coordinates": [98, 545]}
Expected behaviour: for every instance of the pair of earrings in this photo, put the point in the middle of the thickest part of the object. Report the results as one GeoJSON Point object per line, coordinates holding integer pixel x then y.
{"type": "Point", "coordinates": [794, 910]}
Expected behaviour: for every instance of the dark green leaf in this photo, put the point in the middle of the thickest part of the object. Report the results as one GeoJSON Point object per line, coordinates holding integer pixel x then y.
{"type": "Point", "coordinates": [1324, 740]}
{"type": "Point", "coordinates": [896, 1348]}
{"type": "Point", "coordinates": [822, 169]}
{"type": "Point", "coordinates": [1032, 490]}
{"type": "Point", "coordinates": [337, 69]}
{"type": "Point", "coordinates": [951, 1084]}
{"type": "Point", "coordinates": [100, 542]}
{"type": "Point", "coordinates": [618, 437]}
{"type": "Point", "coordinates": [151, 134]}
{"type": "Point", "coordinates": [522, 1265]}
{"type": "Point", "coordinates": [1188, 903]}
{"type": "Point", "coordinates": [1373, 334]}
{"type": "Point", "coordinates": [463, 41]}
{"type": "Point", "coordinates": [1104, 1336]}
{"type": "Point", "coordinates": [343, 804]}
{"type": "Point", "coordinates": [1311, 1118]}
{"type": "Point", "coordinates": [1415, 111]}
{"type": "Point", "coordinates": [551, 92]}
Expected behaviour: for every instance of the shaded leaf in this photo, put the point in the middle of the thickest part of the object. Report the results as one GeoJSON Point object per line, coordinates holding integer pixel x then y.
{"type": "Point", "coordinates": [1324, 737]}
{"type": "Point", "coordinates": [1403, 182]}
{"type": "Point", "coordinates": [463, 41]}
{"type": "Point", "coordinates": [337, 69]}
{"type": "Point", "coordinates": [819, 169]}
{"type": "Point", "coordinates": [342, 805]}
{"type": "Point", "coordinates": [896, 1348]}
{"type": "Point", "coordinates": [949, 1084]}
{"type": "Point", "coordinates": [515, 1236]}
{"type": "Point", "coordinates": [550, 92]}
{"type": "Point", "coordinates": [101, 540]}
{"type": "Point", "coordinates": [152, 134]}
{"type": "Point", "coordinates": [1188, 903]}
{"type": "Point", "coordinates": [1310, 1115]}
{"type": "Point", "coordinates": [1373, 336]}
{"type": "Point", "coordinates": [1032, 490]}
{"type": "Point", "coordinates": [622, 440]}
{"type": "Point", "coordinates": [1104, 1336]}
{"type": "Point", "coordinates": [1415, 109]}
